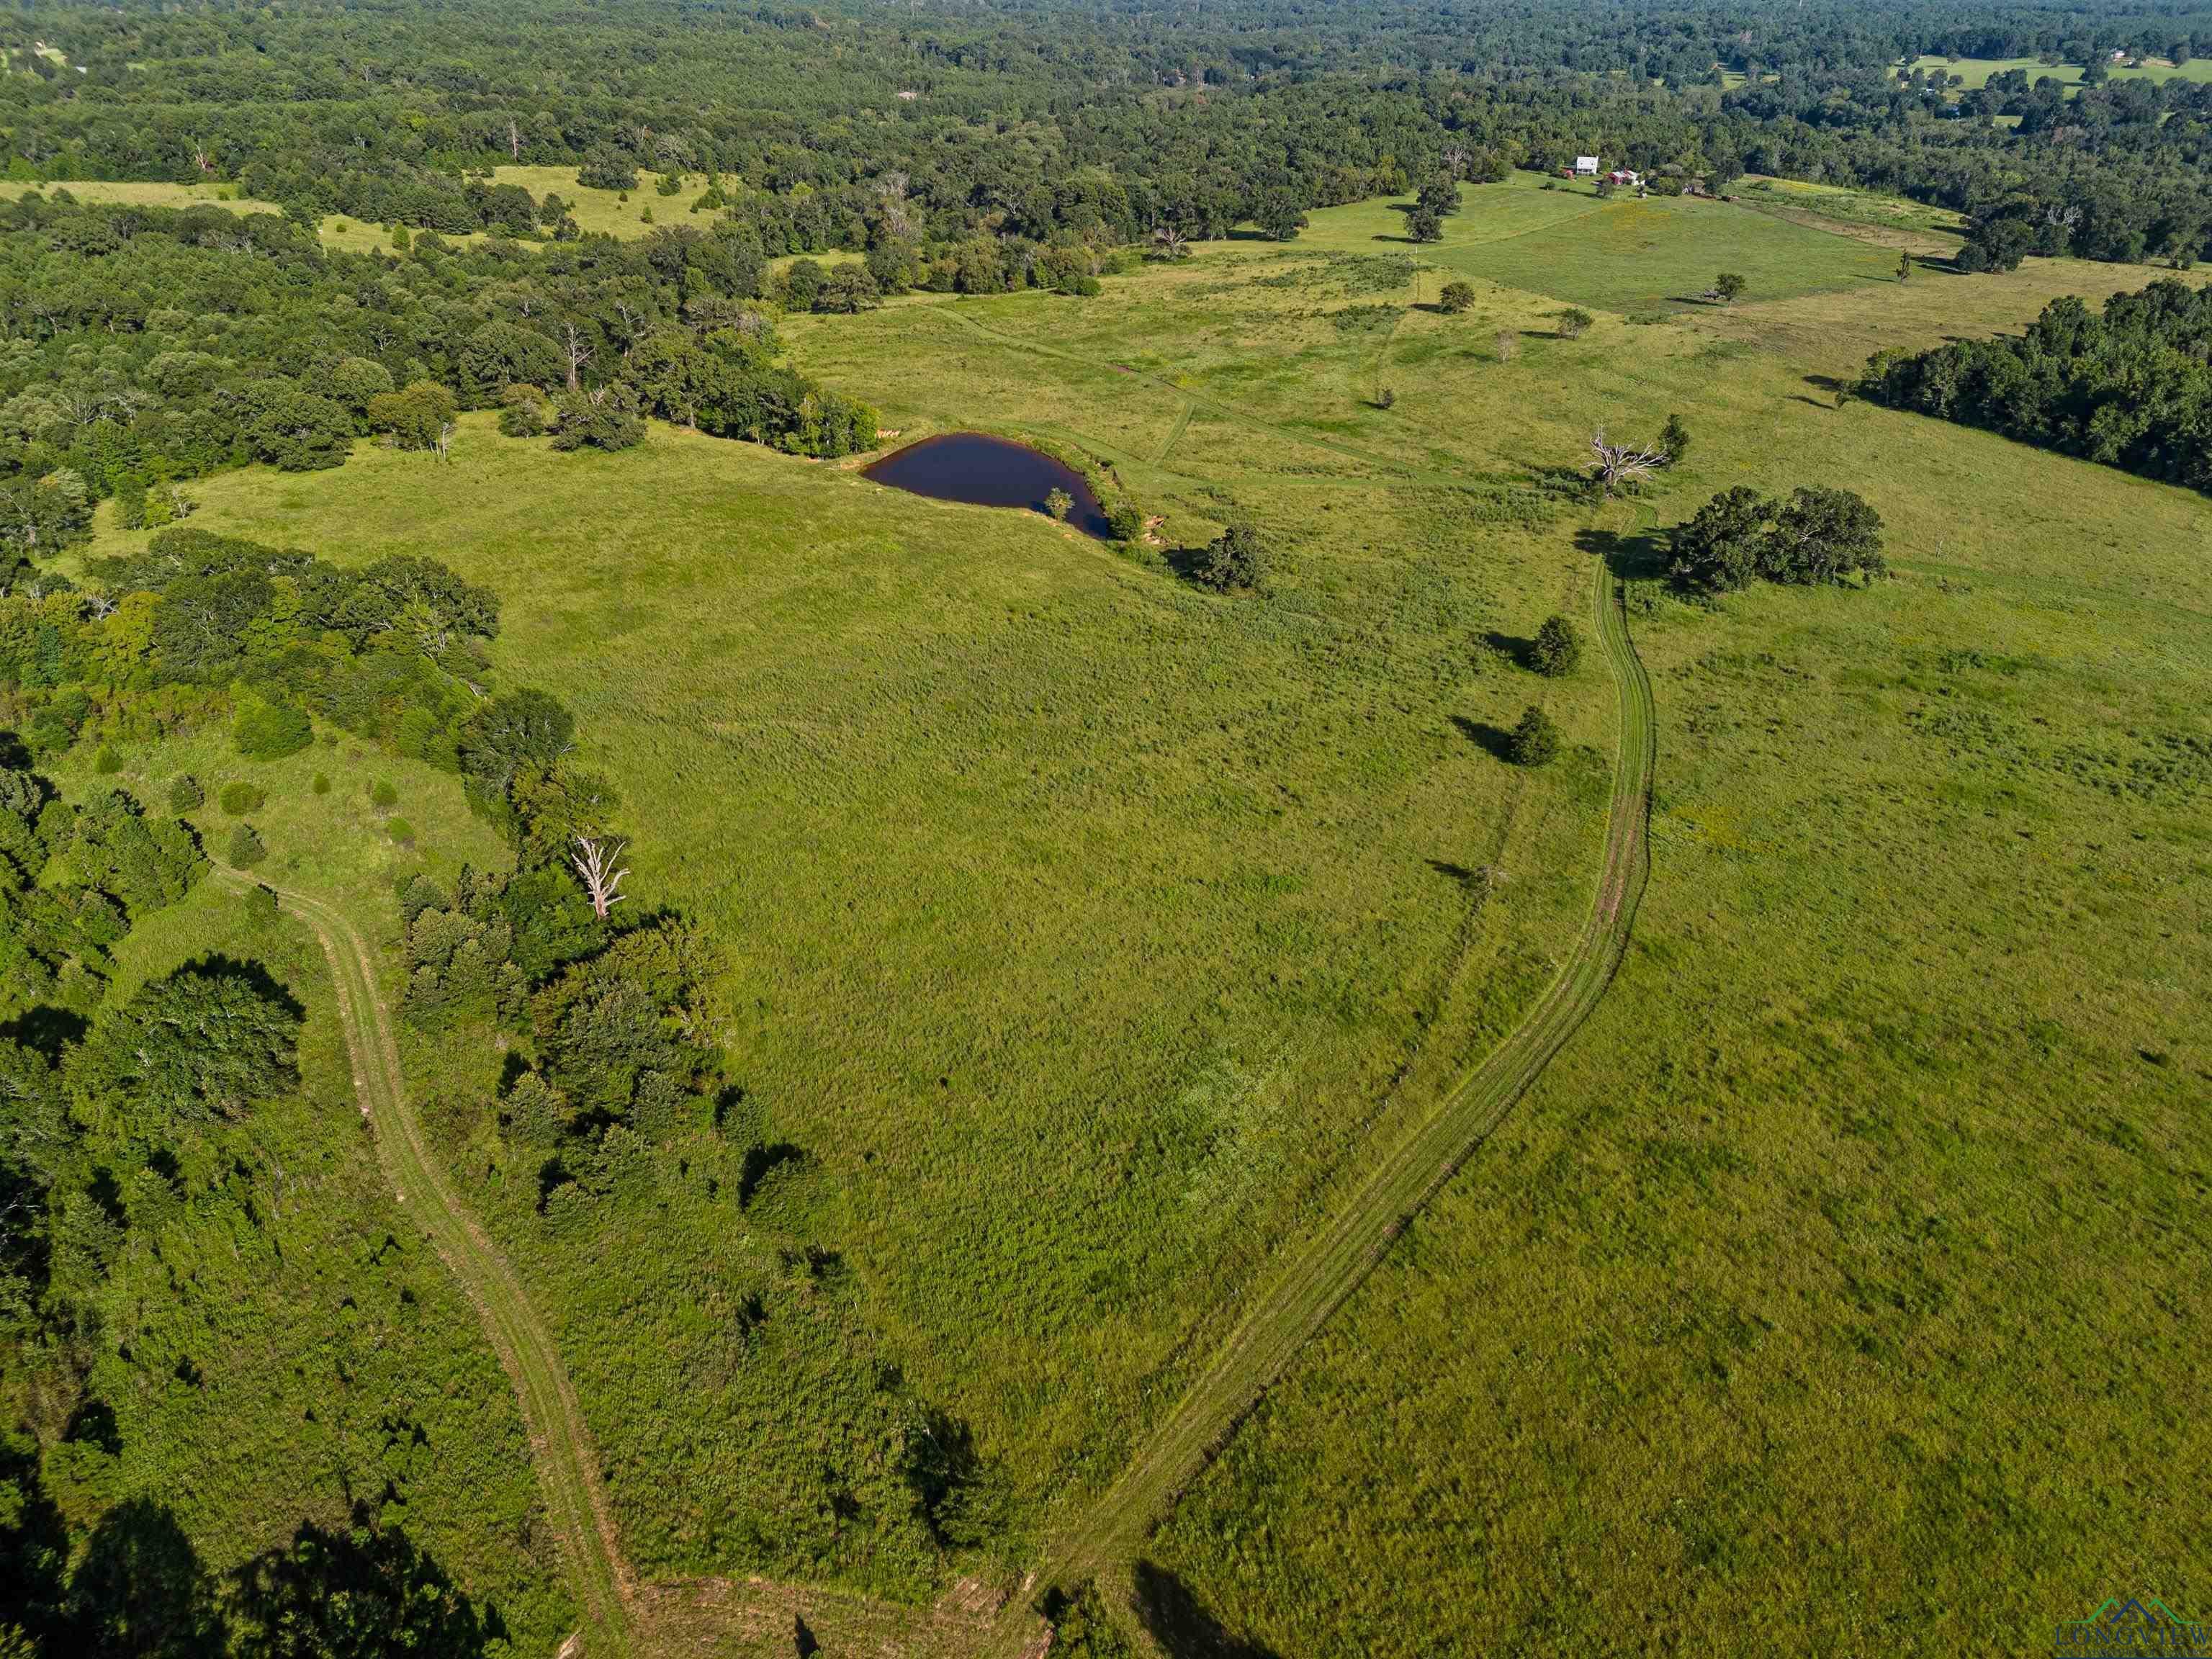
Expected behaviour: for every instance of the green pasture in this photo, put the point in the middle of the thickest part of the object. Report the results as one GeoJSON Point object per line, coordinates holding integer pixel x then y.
{"type": "Point", "coordinates": [1848, 206]}
{"type": "Point", "coordinates": [1977, 71]}
{"type": "Point", "coordinates": [1622, 254]}
{"type": "Point", "coordinates": [1090, 934]}
{"type": "Point", "coordinates": [1074, 918]}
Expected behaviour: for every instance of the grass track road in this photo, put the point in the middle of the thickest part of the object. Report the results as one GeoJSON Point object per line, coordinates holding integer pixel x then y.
{"type": "Point", "coordinates": [568, 1462]}
{"type": "Point", "coordinates": [1316, 1282]}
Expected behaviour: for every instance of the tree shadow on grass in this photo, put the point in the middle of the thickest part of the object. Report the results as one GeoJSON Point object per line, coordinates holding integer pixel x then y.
{"type": "Point", "coordinates": [1518, 650]}
{"type": "Point", "coordinates": [1493, 740]}
{"type": "Point", "coordinates": [141, 1589]}
{"type": "Point", "coordinates": [1643, 558]}
{"type": "Point", "coordinates": [1181, 1623]}
{"type": "Point", "coordinates": [367, 1584]}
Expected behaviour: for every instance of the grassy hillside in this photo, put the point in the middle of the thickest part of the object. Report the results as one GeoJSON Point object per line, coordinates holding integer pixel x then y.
{"type": "Point", "coordinates": [1088, 932]}
{"type": "Point", "coordinates": [1040, 875]}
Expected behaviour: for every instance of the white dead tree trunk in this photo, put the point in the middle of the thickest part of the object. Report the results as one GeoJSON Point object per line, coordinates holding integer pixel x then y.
{"type": "Point", "coordinates": [1620, 464]}
{"type": "Point", "coordinates": [579, 353]}
{"type": "Point", "coordinates": [596, 862]}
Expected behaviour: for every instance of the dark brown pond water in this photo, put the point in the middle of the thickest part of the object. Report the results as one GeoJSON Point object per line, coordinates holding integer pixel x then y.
{"type": "Point", "coordinates": [987, 471]}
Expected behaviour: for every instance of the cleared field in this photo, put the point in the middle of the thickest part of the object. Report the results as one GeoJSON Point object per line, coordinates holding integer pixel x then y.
{"type": "Point", "coordinates": [1977, 71]}
{"type": "Point", "coordinates": [1622, 255]}
{"type": "Point", "coordinates": [1912, 223]}
{"type": "Point", "coordinates": [1075, 920]}
{"type": "Point", "coordinates": [141, 194]}
{"type": "Point", "coordinates": [600, 212]}
{"type": "Point", "coordinates": [1091, 935]}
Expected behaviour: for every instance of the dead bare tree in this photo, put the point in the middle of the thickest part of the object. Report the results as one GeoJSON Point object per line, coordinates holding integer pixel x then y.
{"type": "Point", "coordinates": [579, 353]}
{"type": "Point", "coordinates": [1622, 464]}
{"type": "Point", "coordinates": [1169, 242]}
{"type": "Point", "coordinates": [445, 441]}
{"type": "Point", "coordinates": [514, 141]}
{"type": "Point", "coordinates": [1455, 158]}
{"type": "Point", "coordinates": [596, 862]}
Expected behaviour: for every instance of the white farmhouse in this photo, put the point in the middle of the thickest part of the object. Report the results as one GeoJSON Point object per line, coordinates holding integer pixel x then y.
{"type": "Point", "coordinates": [1586, 167]}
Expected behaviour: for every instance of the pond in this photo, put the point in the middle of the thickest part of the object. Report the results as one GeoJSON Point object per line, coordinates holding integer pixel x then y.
{"type": "Point", "coordinates": [986, 472]}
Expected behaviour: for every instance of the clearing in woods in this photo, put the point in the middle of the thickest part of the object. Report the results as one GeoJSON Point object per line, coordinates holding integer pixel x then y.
{"type": "Point", "coordinates": [939, 776]}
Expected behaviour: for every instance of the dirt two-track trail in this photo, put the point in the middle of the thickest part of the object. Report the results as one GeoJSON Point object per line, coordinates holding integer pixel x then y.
{"type": "Point", "coordinates": [1104, 1541]}
{"type": "Point", "coordinates": [567, 1464]}
{"type": "Point", "coordinates": [1317, 1277]}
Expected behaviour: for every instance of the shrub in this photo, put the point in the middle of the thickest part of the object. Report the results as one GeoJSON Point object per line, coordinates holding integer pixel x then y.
{"type": "Point", "coordinates": [415, 417]}
{"type": "Point", "coordinates": [245, 848]}
{"type": "Point", "coordinates": [1456, 298]}
{"type": "Point", "coordinates": [1573, 322]}
{"type": "Point", "coordinates": [523, 411]}
{"type": "Point", "coordinates": [260, 903]}
{"type": "Point", "coordinates": [1508, 344]}
{"type": "Point", "coordinates": [1385, 397]}
{"type": "Point", "coordinates": [1536, 740]}
{"type": "Point", "coordinates": [269, 731]}
{"type": "Point", "coordinates": [1058, 504]}
{"type": "Point", "coordinates": [400, 830]}
{"type": "Point", "coordinates": [1235, 559]}
{"type": "Point", "coordinates": [1558, 647]}
{"type": "Point", "coordinates": [107, 762]}
{"type": "Point", "coordinates": [1125, 522]}
{"type": "Point", "coordinates": [605, 420]}
{"type": "Point", "coordinates": [238, 798]}
{"type": "Point", "coordinates": [322, 783]}
{"type": "Point", "coordinates": [383, 795]}
{"type": "Point", "coordinates": [186, 794]}
{"type": "Point", "coordinates": [1675, 440]}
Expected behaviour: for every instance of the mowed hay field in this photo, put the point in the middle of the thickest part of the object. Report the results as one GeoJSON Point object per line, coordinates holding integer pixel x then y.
{"type": "Point", "coordinates": [1558, 238]}
{"type": "Point", "coordinates": [1088, 930]}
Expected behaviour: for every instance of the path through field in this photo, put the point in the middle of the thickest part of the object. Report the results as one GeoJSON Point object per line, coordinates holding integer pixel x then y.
{"type": "Point", "coordinates": [1104, 1542]}
{"type": "Point", "coordinates": [1320, 1276]}
{"type": "Point", "coordinates": [567, 1464]}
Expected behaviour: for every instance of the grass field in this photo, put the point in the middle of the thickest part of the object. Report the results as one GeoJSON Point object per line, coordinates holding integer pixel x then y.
{"type": "Point", "coordinates": [597, 211]}
{"type": "Point", "coordinates": [131, 194]}
{"type": "Point", "coordinates": [1091, 934]}
{"type": "Point", "coordinates": [1977, 71]}
{"type": "Point", "coordinates": [1914, 224]}
{"type": "Point", "coordinates": [1622, 254]}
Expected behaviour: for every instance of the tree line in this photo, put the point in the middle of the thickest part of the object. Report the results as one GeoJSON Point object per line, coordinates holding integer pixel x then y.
{"type": "Point", "coordinates": [2130, 387]}
{"type": "Point", "coordinates": [1072, 124]}
{"type": "Point", "coordinates": [152, 346]}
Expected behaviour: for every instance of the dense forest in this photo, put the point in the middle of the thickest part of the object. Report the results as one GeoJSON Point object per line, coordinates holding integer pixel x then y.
{"type": "Point", "coordinates": [2131, 387]}
{"type": "Point", "coordinates": [847, 128]}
